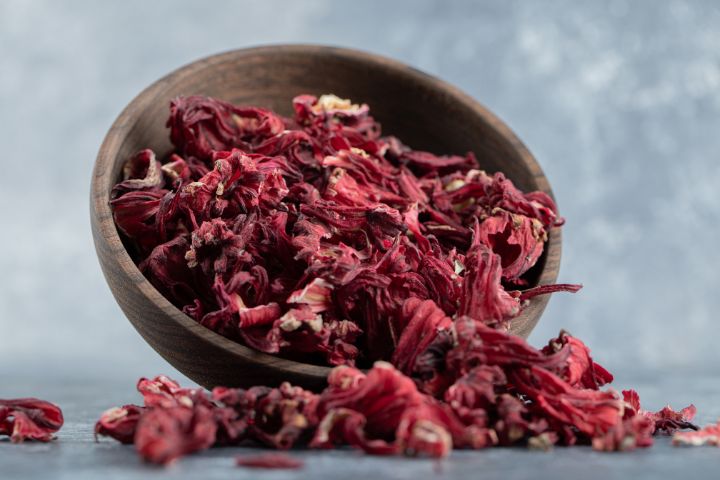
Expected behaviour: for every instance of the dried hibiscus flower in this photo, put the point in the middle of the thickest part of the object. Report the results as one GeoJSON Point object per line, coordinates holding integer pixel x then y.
{"type": "Point", "coordinates": [496, 390]}
{"type": "Point", "coordinates": [666, 420]}
{"type": "Point", "coordinates": [270, 461]}
{"type": "Point", "coordinates": [709, 435]}
{"type": "Point", "coordinates": [320, 239]}
{"type": "Point", "coordinates": [29, 419]}
{"type": "Point", "coordinates": [306, 237]}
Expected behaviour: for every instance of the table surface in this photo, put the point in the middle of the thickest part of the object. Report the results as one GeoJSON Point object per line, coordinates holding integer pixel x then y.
{"type": "Point", "coordinates": [75, 454]}
{"type": "Point", "coordinates": [618, 100]}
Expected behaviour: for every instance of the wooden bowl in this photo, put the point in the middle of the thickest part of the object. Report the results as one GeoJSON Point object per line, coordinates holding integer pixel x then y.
{"type": "Point", "coordinates": [425, 112]}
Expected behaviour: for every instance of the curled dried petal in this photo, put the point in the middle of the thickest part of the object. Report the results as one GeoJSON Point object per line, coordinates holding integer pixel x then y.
{"type": "Point", "coordinates": [579, 369]}
{"type": "Point", "coordinates": [165, 434]}
{"type": "Point", "coordinates": [29, 419]}
{"type": "Point", "coordinates": [709, 435]}
{"type": "Point", "coordinates": [665, 420]}
{"type": "Point", "coordinates": [119, 423]}
{"type": "Point", "coordinates": [269, 460]}
{"type": "Point", "coordinates": [422, 320]}
{"type": "Point", "coordinates": [483, 297]}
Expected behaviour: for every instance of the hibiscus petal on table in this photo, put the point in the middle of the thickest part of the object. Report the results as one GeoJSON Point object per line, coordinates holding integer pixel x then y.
{"type": "Point", "coordinates": [269, 460]}
{"type": "Point", "coordinates": [29, 419]}
{"type": "Point", "coordinates": [119, 423]}
{"type": "Point", "coordinates": [665, 420]}
{"type": "Point", "coordinates": [165, 434]}
{"type": "Point", "coordinates": [709, 435]}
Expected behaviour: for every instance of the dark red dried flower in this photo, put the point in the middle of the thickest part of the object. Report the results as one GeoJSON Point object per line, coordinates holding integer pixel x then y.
{"type": "Point", "coordinates": [269, 460]}
{"type": "Point", "coordinates": [119, 423]}
{"type": "Point", "coordinates": [626, 435]}
{"type": "Point", "coordinates": [164, 434]}
{"type": "Point", "coordinates": [709, 435]}
{"type": "Point", "coordinates": [500, 391]}
{"type": "Point", "coordinates": [421, 321]}
{"type": "Point", "coordinates": [666, 420]}
{"type": "Point", "coordinates": [200, 126]}
{"type": "Point", "coordinates": [578, 370]}
{"type": "Point", "coordinates": [382, 413]}
{"type": "Point", "coordinates": [29, 419]}
{"type": "Point", "coordinates": [484, 298]}
{"type": "Point", "coordinates": [305, 237]}
{"type": "Point", "coordinates": [590, 412]}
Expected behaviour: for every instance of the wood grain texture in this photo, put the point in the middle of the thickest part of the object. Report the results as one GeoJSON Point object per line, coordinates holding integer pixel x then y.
{"type": "Point", "coordinates": [425, 112]}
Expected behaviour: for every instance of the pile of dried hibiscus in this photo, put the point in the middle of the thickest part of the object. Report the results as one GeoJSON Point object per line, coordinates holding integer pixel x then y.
{"type": "Point", "coordinates": [315, 237]}
{"type": "Point", "coordinates": [492, 389]}
{"type": "Point", "coordinates": [318, 239]}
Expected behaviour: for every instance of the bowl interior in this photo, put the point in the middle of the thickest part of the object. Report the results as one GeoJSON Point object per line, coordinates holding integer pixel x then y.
{"type": "Point", "coordinates": [424, 112]}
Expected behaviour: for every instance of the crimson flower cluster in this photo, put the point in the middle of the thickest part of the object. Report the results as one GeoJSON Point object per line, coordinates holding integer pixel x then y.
{"type": "Point", "coordinates": [319, 239]}
{"type": "Point", "coordinates": [488, 388]}
{"type": "Point", "coordinates": [311, 237]}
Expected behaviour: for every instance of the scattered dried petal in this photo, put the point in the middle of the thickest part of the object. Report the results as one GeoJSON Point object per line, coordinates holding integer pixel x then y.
{"type": "Point", "coordinates": [269, 460]}
{"type": "Point", "coordinates": [29, 419]}
{"type": "Point", "coordinates": [709, 435]}
{"type": "Point", "coordinates": [119, 423]}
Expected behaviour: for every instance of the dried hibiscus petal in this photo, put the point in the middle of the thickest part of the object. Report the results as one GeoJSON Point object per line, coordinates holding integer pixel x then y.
{"type": "Point", "coordinates": [475, 393]}
{"type": "Point", "coordinates": [382, 413]}
{"type": "Point", "coordinates": [119, 423]}
{"type": "Point", "coordinates": [201, 125]}
{"type": "Point", "coordinates": [344, 426]}
{"type": "Point", "coordinates": [269, 460]}
{"type": "Point", "coordinates": [141, 172]}
{"type": "Point", "coordinates": [316, 294]}
{"type": "Point", "coordinates": [629, 434]}
{"type": "Point", "coordinates": [165, 392]}
{"type": "Point", "coordinates": [284, 416]}
{"type": "Point", "coordinates": [709, 435]}
{"type": "Point", "coordinates": [427, 431]}
{"type": "Point", "coordinates": [591, 412]}
{"type": "Point", "coordinates": [579, 369]}
{"type": "Point", "coordinates": [167, 433]}
{"type": "Point", "coordinates": [517, 239]}
{"type": "Point", "coordinates": [422, 322]}
{"type": "Point", "coordinates": [484, 298]}
{"type": "Point", "coordinates": [426, 161]}
{"type": "Point", "coordinates": [381, 396]}
{"type": "Point", "coordinates": [666, 420]}
{"type": "Point", "coordinates": [29, 419]}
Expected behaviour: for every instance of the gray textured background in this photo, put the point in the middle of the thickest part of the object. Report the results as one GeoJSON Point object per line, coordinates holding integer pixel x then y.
{"type": "Point", "coordinates": [619, 101]}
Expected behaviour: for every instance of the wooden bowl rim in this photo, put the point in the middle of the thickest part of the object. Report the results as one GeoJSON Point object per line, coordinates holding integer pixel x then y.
{"type": "Point", "coordinates": [126, 121]}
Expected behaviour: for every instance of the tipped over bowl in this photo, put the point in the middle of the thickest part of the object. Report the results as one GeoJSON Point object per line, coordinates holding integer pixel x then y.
{"type": "Point", "coordinates": [423, 111]}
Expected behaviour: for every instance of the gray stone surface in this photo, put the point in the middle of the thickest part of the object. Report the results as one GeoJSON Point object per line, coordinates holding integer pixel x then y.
{"type": "Point", "coordinates": [619, 101]}
{"type": "Point", "coordinates": [75, 455]}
